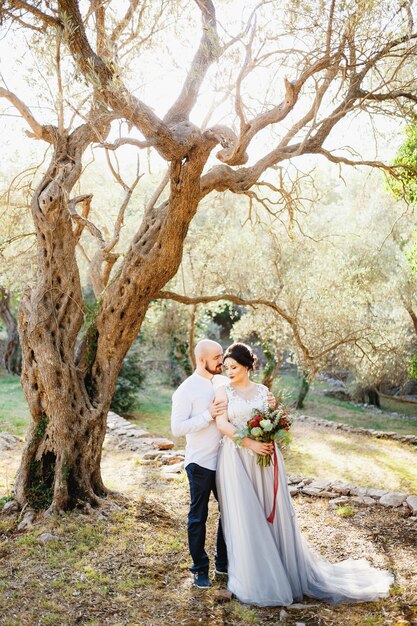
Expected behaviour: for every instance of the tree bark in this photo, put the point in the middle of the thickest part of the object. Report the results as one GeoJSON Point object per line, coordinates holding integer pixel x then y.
{"type": "Point", "coordinates": [13, 355]}
{"type": "Point", "coordinates": [61, 460]}
{"type": "Point", "coordinates": [68, 386]}
{"type": "Point", "coordinates": [271, 370]}
{"type": "Point", "coordinates": [305, 386]}
{"type": "Point", "coordinates": [69, 382]}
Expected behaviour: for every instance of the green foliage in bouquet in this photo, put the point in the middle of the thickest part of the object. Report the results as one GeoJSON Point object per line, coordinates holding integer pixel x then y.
{"type": "Point", "coordinates": [266, 426]}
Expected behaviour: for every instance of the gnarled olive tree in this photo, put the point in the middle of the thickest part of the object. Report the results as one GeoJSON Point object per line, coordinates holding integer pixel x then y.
{"type": "Point", "coordinates": [349, 57]}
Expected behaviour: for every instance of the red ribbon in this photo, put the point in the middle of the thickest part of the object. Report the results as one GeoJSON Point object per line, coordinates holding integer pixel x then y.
{"type": "Point", "coordinates": [271, 516]}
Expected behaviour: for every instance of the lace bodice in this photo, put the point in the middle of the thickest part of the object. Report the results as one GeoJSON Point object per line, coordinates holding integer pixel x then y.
{"type": "Point", "coordinates": [240, 410]}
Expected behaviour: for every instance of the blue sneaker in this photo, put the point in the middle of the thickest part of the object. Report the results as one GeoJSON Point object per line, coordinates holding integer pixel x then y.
{"type": "Point", "coordinates": [201, 580]}
{"type": "Point", "coordinates": [221, 571]}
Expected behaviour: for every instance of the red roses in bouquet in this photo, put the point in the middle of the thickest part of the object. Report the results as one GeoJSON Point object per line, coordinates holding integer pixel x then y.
{"type": "Point", "coordinates": [266, 426]}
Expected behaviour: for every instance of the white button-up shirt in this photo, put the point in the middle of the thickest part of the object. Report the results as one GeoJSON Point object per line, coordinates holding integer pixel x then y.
{"type": "Point", "coordinates": [190, 417]}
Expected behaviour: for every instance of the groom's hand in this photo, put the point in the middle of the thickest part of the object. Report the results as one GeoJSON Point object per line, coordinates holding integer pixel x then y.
{"type": "Point", "coordinates": [272, 401]}
{"type": "Point", "coordinates": [216, 408]}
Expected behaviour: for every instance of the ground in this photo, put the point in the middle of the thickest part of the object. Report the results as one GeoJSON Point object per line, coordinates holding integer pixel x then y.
{"type": "Point", "coordinates": [127, 564]}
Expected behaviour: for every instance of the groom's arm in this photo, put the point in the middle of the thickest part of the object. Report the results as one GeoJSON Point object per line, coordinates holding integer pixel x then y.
{"type": "Point", "coordinates": [181, 422]}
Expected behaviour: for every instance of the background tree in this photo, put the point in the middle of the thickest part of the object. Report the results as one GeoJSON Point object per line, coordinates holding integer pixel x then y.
{"type": "Point", "coordinates": [354, 57]}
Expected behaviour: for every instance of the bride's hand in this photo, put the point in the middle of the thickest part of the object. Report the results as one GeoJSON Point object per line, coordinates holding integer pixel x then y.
{"type": "Point", "coordinates": [264, 449]}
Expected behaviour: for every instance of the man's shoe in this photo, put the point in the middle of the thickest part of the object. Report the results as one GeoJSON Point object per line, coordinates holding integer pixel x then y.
{"type": "Point", "coordinates": [221, 571]}
{"type": "Point", "coordinates": [201, 580]}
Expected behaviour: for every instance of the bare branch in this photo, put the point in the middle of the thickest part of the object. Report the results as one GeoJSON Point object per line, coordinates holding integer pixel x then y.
{"type": "Point", "coordinates": [158, 191]}
{"type": "Point", "coordinates": [83, 222]}
{"type": "Point", "coordinates": [48, 20]}
{"type": "Point", "coordinates": [241, 76]}
{"type": "Point", "coordinates": [169, 295]}
{"type": "Point", "coordinates": [391, 169]}
{"type": "Point", "coordinates": [39, 131]}
{"type": "Point", "coordinates": [120, 27]}
{"type": "Point", "coordinates": [123, 141]}
{"type": "Point", "coordinates": [392, 95]}
{"type": "Point", "coordinates": [113, 91]}
{"type": "Point", "coordinates": [207, 52]}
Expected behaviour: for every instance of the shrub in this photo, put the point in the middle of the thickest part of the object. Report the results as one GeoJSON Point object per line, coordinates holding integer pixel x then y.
{"type": "Point", "coordinates": [131, 378]}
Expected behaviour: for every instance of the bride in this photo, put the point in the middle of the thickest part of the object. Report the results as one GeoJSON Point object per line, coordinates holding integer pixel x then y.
{"type": "Point", "coordinates": [270, 563]}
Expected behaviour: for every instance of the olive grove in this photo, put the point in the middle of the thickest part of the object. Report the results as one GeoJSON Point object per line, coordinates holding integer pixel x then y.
{"type": "Point", "coordinates": [280, 84]}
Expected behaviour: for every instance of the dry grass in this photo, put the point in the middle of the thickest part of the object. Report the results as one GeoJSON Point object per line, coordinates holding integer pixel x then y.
{"type": "Point", "coordinates": [358, 459]}
{"type": "Point", "coordinates": [129, 566]}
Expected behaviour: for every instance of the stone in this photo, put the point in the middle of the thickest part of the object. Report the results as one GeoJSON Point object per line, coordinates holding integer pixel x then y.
{"type": "Point", "coordinates": [294, 478]}
{"type": "Point", "coordinates": [27, 521]}
{"type": "Point", "coordinates": [8, 441]}
{"type": "Point", "coordinates": [376, 493]}
{"type": "Point", "coordinates": [365, 500]}
{"type": "Point", "coordinates": [282, 615]}
{"type": "Point", "coordinates": [172, 469]}
{"type": "Point", "coordinates": [293, 491]}
{"type": "Point", "coordinates": [338, 501]}
{"type": "Point", "coordinates": [137, 432]}
{"type": "Point", "coordinates": [170, 476]}
{"type": "Point", "coordinates": [11, 507]}
{"type": "Point", "coordinates": [311, 492]}
{"type": "Point", "coordinates": [45, 537]}
{"type": "Point", "coordinates": [153, 454]}
{"type": "Point", "coordinates": [120, 432]}
{"type": "Point", "coordinates": [301, 607]}
{"type": "Point", "coordinates": [328, 494]}
{"type": "Point", "coordinates": [319, 484]}
{"type": "Point", "coordinates": [171, 460]}
{"type": "Point", "coordinates": [412, 503]}
{"type": "Point", "coordinates": [393, 499]}
{"type": "Point", "coordinates": [359, 491]}
{"type": "Point", "coordinates": [342, 488]}
{"type": "Point", "coordinates": [162, 444]}
{"type": "Point", "coordinates": [223, 595]}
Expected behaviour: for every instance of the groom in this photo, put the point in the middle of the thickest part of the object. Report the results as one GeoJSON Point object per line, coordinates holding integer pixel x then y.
{"type": "Point", "coordinates": [194, 415]}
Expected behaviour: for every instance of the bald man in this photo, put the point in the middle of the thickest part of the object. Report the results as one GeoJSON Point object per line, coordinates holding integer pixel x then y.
{"type": "Point", "coordinates": [194, 415]}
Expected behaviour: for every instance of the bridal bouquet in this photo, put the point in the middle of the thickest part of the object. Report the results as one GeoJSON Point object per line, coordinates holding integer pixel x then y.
{"type": "Point", "coordinates": [266, 426]}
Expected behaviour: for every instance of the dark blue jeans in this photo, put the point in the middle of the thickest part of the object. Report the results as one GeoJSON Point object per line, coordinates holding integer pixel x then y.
{"type": "Point", "coordinates": [202, 483]}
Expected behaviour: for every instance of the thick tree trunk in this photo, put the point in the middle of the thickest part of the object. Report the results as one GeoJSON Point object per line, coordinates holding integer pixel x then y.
{"type": "Point", "coordinates": [272, 367]}
{"type": "Point", "coordinates": [69, 390]}
{"type": "Point", "coordinates": [368, 395]}
{"type": "Point", "coordinates": [305, 386]}
{"type": "Point", "coordinates": [373, 397]}
{"type": "Point", "coordinates": [13, 355]}
{"type": "Point", "coordinates": [61, 459]}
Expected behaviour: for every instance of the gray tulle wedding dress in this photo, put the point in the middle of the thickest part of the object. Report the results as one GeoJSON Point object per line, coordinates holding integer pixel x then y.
{"type": "Point", "coordinates": [270, 564]}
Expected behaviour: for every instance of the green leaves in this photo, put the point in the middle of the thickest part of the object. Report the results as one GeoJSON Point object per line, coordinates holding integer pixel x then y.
{"type": "Point", "coordinates": [406, 184]}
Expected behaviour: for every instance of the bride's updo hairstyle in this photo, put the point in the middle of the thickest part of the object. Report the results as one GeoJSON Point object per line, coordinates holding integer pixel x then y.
{"type": "Point", "coordinates": [241, 353]}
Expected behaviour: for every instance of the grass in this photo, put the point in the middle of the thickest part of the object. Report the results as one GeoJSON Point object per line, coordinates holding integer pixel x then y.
{"type": "Point", "coordinates": [362, 461]}
{"type": "Point", "coordinates": [154, 409]}
{"type": "Point", "coordinates": [130, 564]}
{"type": "Point", "coordinates": [335, 410]}
{"type": "Point", "coordinates": [125, 556]}
{"type": "Point", "coordinates": [14, 412]}
{"type": "Point", "coordinates": [345, 511]}
{"type": "Point", "coordinates": [320, 453]}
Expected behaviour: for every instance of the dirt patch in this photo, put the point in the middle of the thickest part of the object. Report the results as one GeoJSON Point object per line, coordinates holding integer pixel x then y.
{"type": "Point", "coordinates": [128, 564]}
